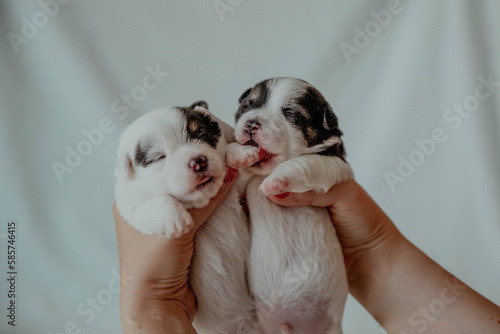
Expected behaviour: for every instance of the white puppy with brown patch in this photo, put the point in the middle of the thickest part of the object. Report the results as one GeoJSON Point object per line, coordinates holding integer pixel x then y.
{"type": "Point", "coordinates": [288, 136]}
{"type": "Point", "coordinates": [170, 160]}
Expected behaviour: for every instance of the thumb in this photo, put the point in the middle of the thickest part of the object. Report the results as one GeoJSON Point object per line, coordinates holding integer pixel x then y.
{"type": "Point", "coordinates": [293, 199]}
{"type": "Point", "coordinates": [311, 197]}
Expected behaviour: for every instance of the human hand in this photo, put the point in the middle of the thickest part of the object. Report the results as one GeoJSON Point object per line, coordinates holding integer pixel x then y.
{"type": "Point", "coordinates": [361, 225]}
{"type": "Point", "coordinates": [157, 298]}
{"type": "Point", "coordinates": [394, 280]}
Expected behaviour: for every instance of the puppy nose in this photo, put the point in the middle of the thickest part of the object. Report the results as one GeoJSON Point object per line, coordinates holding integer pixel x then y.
{"type": "Point", "coordinates": [199, 164]}
{"type": "Point", "coordinates": [252, 126]}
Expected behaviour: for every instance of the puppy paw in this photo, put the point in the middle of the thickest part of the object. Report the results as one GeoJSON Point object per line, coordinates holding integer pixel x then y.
{"type": "Point", "coordinates": [164, 217]}
{"type": "Point", "coordinates": [275, 185]}
{"type": "Point", "coordinates": [240, 156]}
{"type": "Point", "coordinates": [176, 223]}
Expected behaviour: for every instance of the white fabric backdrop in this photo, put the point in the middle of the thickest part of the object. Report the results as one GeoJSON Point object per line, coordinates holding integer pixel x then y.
{"type": "Point", "coordinates": [66, 73]}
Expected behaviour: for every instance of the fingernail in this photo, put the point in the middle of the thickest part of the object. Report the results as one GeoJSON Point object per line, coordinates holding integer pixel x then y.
{"type": "Point", "coordinates": [230, 174]}
{"type": "Point", "coordinates": [283, 195]}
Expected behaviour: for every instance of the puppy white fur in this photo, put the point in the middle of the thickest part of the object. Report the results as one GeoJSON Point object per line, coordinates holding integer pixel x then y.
{"type": "Point", "coordinates": [288, 136]}
{"type": "Point", "coordinates": [172, 159]}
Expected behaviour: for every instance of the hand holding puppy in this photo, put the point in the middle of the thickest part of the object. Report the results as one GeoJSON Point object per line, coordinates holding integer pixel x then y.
{"type": "Point", "coordinates": [359, 222]}
{"type": "Point", "coordinates": [394, 280]}
{"type": "Point", "coordinates": [386, 272]}
{"type": "Point", "coordinates": [157, 298]}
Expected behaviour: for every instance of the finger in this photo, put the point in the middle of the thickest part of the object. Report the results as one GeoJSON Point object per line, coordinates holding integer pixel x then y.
{"type": "Point", "coordinates": [120, 222]}
{"type": "Point", "coordinates": [164, 256]}
{"type": "Point", "coordinates": [293, 199]}
{"type": "Point", "coordinates": [201, 215]}
{"type": "Point", "coordinates": [312, 198]}
{"type": "Point", "coordinates": [125, 233]}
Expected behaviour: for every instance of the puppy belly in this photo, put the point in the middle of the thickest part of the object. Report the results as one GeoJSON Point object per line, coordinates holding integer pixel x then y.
{"type": "Point", "coordinates": [296, 268]}
{"type": "Point", "coordinates": [218, 274]}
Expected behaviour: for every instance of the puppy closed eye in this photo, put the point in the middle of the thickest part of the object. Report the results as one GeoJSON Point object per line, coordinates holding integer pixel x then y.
{"type": "Point", "coordinates": [154, 159]}
{"type": "Point", "coordinates": [161, 157]}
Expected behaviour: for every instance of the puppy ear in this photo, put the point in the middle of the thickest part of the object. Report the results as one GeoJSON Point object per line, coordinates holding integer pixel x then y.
{"type": "Point", "coordinates": [200, 103]}
{"type": "Point", "coordinates": [330, 121]}
{"type": "Point", "coordinates": [244, 95]}
{"type": "Point", "coordinates": [227, 130]}
{"type": "Point", "coordinates": [124, 167]}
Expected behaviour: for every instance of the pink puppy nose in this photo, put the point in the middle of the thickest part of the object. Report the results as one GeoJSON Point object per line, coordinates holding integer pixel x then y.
{"type": "Point", "coordinates": [199, 164]}
{"type": "Point", "coordinates": [252, 126]}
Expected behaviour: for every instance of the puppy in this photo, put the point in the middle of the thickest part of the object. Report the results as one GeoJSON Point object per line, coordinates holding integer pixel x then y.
{"type": "Point", "coordinates": [288, 137]}
{"type": "Point", "coordinates": [170, 160]}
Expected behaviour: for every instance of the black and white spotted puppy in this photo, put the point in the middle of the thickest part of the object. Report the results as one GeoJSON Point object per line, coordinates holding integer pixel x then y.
{"type": "Point", "coordinates": [173, 159]}
{"type": "Point", "coordinates": [288, 137]}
